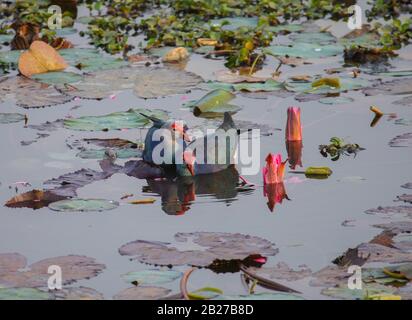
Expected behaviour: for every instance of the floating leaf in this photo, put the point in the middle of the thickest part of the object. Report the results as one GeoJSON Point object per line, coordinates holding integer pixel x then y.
{"type": "Point", "coordinates": [393, 87]}
{"type": "Point", "coordinates": [329, 82]}
{"type": "Point", "coordinates": [29, 93]}
{"type": "Point", "coordinates": [218, 246]}
{"type": "Point", "coordinates": [152, 276]}
{"type": "Point", "coordinates": [215, 102]}
{"type": "Point", "coordinates": [34, 199]}
{"type": "Point", "coordinates": [114, 121]}
{"type": "Point", "coordinates": [336, 100]}
{"type": "Point", "coordinates": [205, 293]}
{"type": "Point", "coordinates": [262, 296]}
{"type": "Point", "coordinates": [83, 205]}
{"type": "Point", "coordinates": [124, 153]}
{"type": "Point", "coordinates": [40, 58]}
{"type": "Point", "coordinates": [11, 117]}
{"type": "Point", "coordinates": [80, 293]}
{"type": "Point", "coordinates": [304, 50]}
{"type": "Point", "coordinates": [405, 198]}
{"type": "Point", "coordinates": [403, 140]}
{"type": "Point", "coordinates": [155, 82]}
{"type": "Point", "coordinates": [143, 201]}
{"type": "Point", "coordinates": [380, 253]}
{"type": "Point", "coordinates": [319, 38]}
{"type": "Point", "coordinates": [142, 293]}
{"type": "Point", "coordinates": [268, 85]}
{"type": "Point", "coordinates": [231, 24]}
{"type": "Point", "coordinates": [23, 294]}
{"type": "Point", "coordinates": [57, 77]}
{"type": "Point", "coordinates": [91, 60]}
{"type": "Point", "coordinates": [403, 211]}
{"type": "Point", "coordinates": [343, 292]}
{"type": "Point", "coordinates": [74, 268]}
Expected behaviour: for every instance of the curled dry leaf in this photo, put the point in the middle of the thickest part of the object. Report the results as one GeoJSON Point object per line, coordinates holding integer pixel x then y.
{"type": "Point", "coordinates": [206, 42]}
{"type": "Point", "coordinates": [40, 58]}
{"type": "Point", "coordinates": [176, 55]}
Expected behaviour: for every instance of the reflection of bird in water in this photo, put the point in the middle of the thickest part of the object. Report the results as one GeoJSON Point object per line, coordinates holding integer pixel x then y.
{"type": "Point", "coordinates": [177, 195]}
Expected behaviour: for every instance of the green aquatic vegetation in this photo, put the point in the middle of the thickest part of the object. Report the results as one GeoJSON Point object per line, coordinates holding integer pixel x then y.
{"type": "Point", "coordinates": [335, 9]}
{"type": "Point", "coordinates": [337, 147]}
{"type": "Point", "coordinates": [395, 34]}
{"type": "Point", "coordinates": [388, 9]}
{"type": "Point", "coordinates": [83, 205]}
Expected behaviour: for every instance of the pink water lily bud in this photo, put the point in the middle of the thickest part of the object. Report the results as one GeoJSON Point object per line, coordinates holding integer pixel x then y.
{"type": "Point", "coordinates": [293, 125]}
{"type": "Point", "coordinates": [274, 170]}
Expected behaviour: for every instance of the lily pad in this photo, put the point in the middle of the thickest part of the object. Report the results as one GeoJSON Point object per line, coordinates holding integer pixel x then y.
{"type": "Point", "coordinates": [215, 102]}
{"type": "Point", "coordinates": [11, 118]}
{"type": "Point", "coordinates": [320, 38]}
{"type": "Point", "coordinates": [142, 293]}
{"type": "Point", "coordinates": [80, 293]}
{"type": "Point", "coordinates": [29, 93]}
{"type": "Point", "coordinates": [114, 121]}
{"type": "Point", "coordinates": [57, 77]}
{"type": "Point", "coordinates": [304, 50]}
{"type": "Point", "coordinates": [267, 86]}
{"type": "Point", "coordinates": [407, 101]}
{"type": "Point", "coordinates": [91, 60]}
{"type": "Point", "coordinates": [231, 24]}
{"type": "Point", "coordinates": [161, 82]}
{"type": "Point", "coordinates": [403, 140]}
{"type": "Point", "coordinates": [24, 294]}
{"type": "Point", "coordinates": [343, 292]}
{"type": "Point", "coordinates": [218, 246]}
{"type": "Point", "coordinates": [405, 198]}
{"type": "Point", "coordinates": [336, 100]}
{"type": "Point", "coordinates": [407, 185]}
{"type": "Point", "coordinates": [17, 275]}
{"type": "Point", "coordinates": [393, 87]}
{"type": "Point", "coordinates": [152, 276]}
{"type": "Point", "coordinates": [262, 296]}
{"type": "Point", "coordinates": [124, 153]}
{"type": "Point", "coordinates": [398, 211]}
{"type": "Point", "coordinates": [83, 205]}
{"type": "Point", "coordinates": [380, 253]}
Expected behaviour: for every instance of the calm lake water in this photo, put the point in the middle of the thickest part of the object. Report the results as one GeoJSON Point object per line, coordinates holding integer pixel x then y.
{"type": "Point", "coordinates": [307, 229]}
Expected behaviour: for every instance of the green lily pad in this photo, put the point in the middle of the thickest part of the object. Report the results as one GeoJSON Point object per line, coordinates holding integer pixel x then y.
{"type": "Point", "coordinates": [267, 86]}
{"type": "Point", "coordinates": [91, 60]}
{"type": "Point", "coordinates": [83, 205]}
{"type": "Point", "coordinates": [399, 73]}
{"type": "Point", "coordinates": [304, 50]}
{"type": "Point", "coordinates": [319, 38]}
{"type": "Point", "coordinates": [346, 84]}
{"type": "Point", "coordinates": [57, 77]}
{"type": "Point", "coordinates": [231, 24]}
{"type": "Point", "coordinates": [5, 38]}
{"type": "Point", "coordinates": [23, 294]}
{"type": "Point", "coordinates": [336, 100]}
{"type": "Point", "coordinates": [10, 57]}
{"type": "Point", "coordinates": [152, 276]}
{"type": "Point", "coordinates": [262, 296]}
{"type": "Point", "coordinates": [114, 121]}
{"type": "Point", "coordinates": [11, 117]}
{"type": "Point", "coordinates": [343, 292]}
{"type": "Point", "coordinates": [205, 293]}
{"type": "Point", "coordinates": [214, 102]}
{"type": "Point", "coordinates": [65, 31]}
{"type": "Point", "coordinates": [286, 27]}
{"type": "Point", "coordinates": [142, 293]}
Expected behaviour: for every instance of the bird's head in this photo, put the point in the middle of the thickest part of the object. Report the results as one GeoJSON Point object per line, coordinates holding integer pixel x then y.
{"type": "Point", "coordinates": [180, 129]}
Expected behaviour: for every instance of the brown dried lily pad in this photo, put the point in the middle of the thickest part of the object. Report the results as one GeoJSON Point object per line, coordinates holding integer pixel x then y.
{"type": "Point", "coordinates": [34, 199]}
{"type": "Point", "coordinates": [218, 246]}
{"type": "Point", "coordinates": [142, 293]}
{"type": "Point", "coordinates": [29, 93]}
{"type": "Point", "coordinates": [396, 227]}
{"type": "Point", "coordinates": [380, 253]}
{"type": "Point", "coordinates": [405, 198]}
{"type": "Point", "coordinates": [404, 211]}
{"type": "Point", "coordinates": [74, 268]}
{"type": "Point", "coordinates": [403, 140]}
{"type": "Point", "coordinates": [329, 276]}
{"type": "Point", "coordinates": [394, 87]}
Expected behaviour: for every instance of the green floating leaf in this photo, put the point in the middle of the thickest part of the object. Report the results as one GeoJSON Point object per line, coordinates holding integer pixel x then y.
{"type": "Point", "coordinates": [318, 172]}
{"type": "Point", "coordinates": [23, 294]}
{"type": "Point", "coordinates": [336, 100]}
{"type": "Point", "coordinates": [231, 24]}
{"type": "Point", "coordinates": [215, 102]}
{"type": "Point", "coordinates": [304, 50]}
{"type": "Point", "coordinates": [343, 292]}
{"type": "Point", "coordinates": [402, 271]}
{"type": "Point", "coordinates": [65, 31]}
{"type": "Point", "coordinates": [58, 77]}
{"type": "Point", "coordinates": [400, 73]}
{"type": "Point", "coordinates": [329, 82]}
{"type": "Point", "coordinates": [346, 84]}
{"type": "Point", "coordinates": [286, 27]}
{"type": "Point", "coordinates": [262, 296]}
{"type": "Point", "coordinates": [205, 293]}
{"type": "Point", "coordinates": [5, 38]}
{"type": "Point", "coordinates": [114, 121]}
{"type": "Point", "coordinates": [267, 86]}
{"type": "Point", "coordinates": [90, 60]}
{"type": "Point", "coordinates": [83, 205]}
{"type": "Point", "coordinates": [11, 117]}
{"type": "Point", "coordinates": [10, 57]}
{"type": "Point", "coordinates": [152, 276]}
{"type": "Point", "coordinates": [319, 38]}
